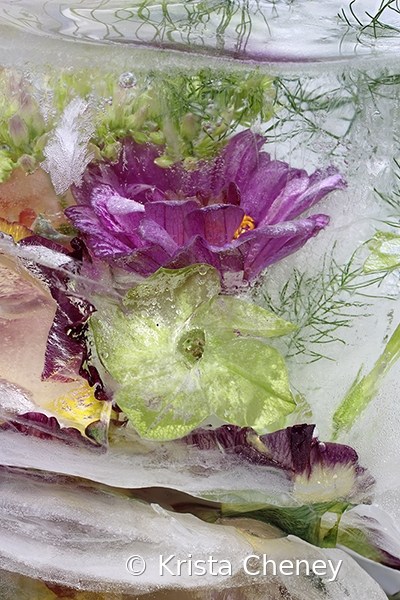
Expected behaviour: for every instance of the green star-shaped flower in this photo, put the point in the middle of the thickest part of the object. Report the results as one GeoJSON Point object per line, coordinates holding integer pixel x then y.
{"type": "Point", "coordinates": [180, 352]}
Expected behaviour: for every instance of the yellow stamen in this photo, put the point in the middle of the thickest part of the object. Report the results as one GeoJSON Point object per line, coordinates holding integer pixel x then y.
{"type": "Point", "coordinates": [246, 225]}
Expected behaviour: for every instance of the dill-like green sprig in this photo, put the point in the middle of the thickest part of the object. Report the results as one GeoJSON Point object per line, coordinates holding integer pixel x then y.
{"type": "Point", "coordinates": [307, 108]}
{"type": "Point", "coordinates": [392, 199]}
{"type": "Point", "coordinates": [376, 26]}
{"type": "Point", "coordinates": [321, 305]}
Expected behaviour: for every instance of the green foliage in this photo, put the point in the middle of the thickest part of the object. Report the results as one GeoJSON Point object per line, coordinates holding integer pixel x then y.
{"type": "Point", "coordinates": [190, 114]}
{"type": "Point", "coordinates": [376, 25]}
{"type": "Point", "coordinates": [22, 127]}
{"type": "Point", "coordinates": [320, 305]}
{"type": "Point", "coordinates": [364, 389]}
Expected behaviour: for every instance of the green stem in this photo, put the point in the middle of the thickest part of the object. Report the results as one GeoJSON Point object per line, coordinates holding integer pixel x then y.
{"type": "Point", "coordinates": [364, 390]}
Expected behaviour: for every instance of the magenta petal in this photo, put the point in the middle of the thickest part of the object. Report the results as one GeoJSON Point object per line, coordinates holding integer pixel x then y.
{"type": "Point", "coordinates": [216, 224]}
{"type": "Point", "coordinates": [207, 202]}
{"type": "Point", "coordinates": [294, 200]}
{"type": "Point", "coordinates": [241, 156]}
{"type": "Point", "coordinates": [171, 215]}
{"type": "Point", "coordinates": [275, 242]}
{"type": "Point", "coordinates": [155, 234]}
{"type": "Point", "coordinates": [195, 251]}
{"type": "Point", "coordinates": [84, 218]}
{"type": "Point", "coordinates": [265, 185]}
{"type": "Point", "coordinates": [145, 261]}
{"type": "Point", "coordinates": [118, 214]}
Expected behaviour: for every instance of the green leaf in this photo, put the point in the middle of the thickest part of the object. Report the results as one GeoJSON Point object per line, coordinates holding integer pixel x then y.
{"type": "Point", "coordinates": [166, 406]}
{"type": "Point", "coordinates": [365, 389]}
{"type": "Point", "coordinates": [315, 523]}
{"type": "Point", "coordinates": [385, 254]}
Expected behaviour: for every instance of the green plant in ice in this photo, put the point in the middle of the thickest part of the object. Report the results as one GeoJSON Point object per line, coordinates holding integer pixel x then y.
{"type": "Point", "coordinates": [307, 521]}
{"type": "Point", "coordinates": [22, 127]}
{"type": "Point", "coordinates": [377, 24]}
{"type": "Point", "coordinates": [308, 111]}
{"type": "Point", "coordinates": [385, 252]}
{"type": "Point", "coordinates": [320, 305]}
{"type": "Point", "coordinates": [393, 199]}
{"type": "Point", "coordinates": [364, 389]}
{"type": "Point", "coordinates": [179, 352]}
{"type": "Point", "coordinates": [190, 114]}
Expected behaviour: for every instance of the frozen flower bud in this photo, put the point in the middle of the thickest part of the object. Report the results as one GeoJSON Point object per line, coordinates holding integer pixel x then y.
{"type": "Point", "coordinates": [6, 166]}
{"type": "Point", "coordinates": [94, 151]}
{"type": "Point", "coordinates": [27, 163]}
{"type": "Point", "coordinates": [171, 135]}
{"type": "Point", "coordinates": [140, 137]}
{"type": "Point", "coordinates": [41, 143]}
{"type": "Point", "coordinates": [112, 151]}
{"type": "Point", "coordinates": [157, 137]}
{"type": "Point", "coordinates": [164, 161]}
{"type": "Point", "coordinates": [136, 120]}
{"type": "Point", "coordinates": [18, 131]}
{"type": "Point", "coordinates": [189, 127]}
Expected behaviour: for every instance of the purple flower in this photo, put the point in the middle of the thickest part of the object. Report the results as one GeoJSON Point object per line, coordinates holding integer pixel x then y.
{"type": "Point", "coordinates": [237, 213]}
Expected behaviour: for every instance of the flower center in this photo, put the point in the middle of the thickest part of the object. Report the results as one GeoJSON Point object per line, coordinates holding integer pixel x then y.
{"type": "Point", "coordinates": [192, 344]}
{"type": "Point", "coordinates": [246, 225]}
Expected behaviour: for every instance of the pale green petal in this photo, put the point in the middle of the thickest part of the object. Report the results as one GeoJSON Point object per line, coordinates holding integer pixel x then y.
{"type": "Point", "coordinates": [175, 370]}
{"type": "Point", "coordinates": [129, 343]}
{"type": "Point", "coordinates": [245, 382]}
{"type": "Point", "coordinates": [232, 317]}
{"type": "Point", "coordinates": [385, 253]}
{"type": "Point", "coordinates": [170, 296]}
{"type": "Point", "coordinates": [167, 407]}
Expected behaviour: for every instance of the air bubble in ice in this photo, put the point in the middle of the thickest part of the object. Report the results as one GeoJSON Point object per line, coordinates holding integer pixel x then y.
{"type": "Point", "coordinates": [127, 80]}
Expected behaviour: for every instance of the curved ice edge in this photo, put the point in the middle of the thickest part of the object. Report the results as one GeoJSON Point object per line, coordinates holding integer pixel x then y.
{"type": "Point", "coordinates": [82, 538]}
{"type": "Point", "coordinates": [119, 469]}
{"type": "Point", "coordinates": [388, 579]}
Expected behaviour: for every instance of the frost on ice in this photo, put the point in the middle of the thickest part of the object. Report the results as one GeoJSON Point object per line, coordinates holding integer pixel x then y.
{"type": "Point", "coordinates": [67, 154]}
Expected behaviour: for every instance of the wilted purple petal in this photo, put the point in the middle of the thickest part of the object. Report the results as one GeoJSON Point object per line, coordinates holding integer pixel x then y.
{"type": "Point", "coordinates": [66, 346]}
{"type": "Point", "coordinates": [47, 428]}
{"type": "Point", "coordinates": [328, 465]}
{"type": "Point", "coordinates": [216, 224]}
{"type": "Point", "coordinates": [295, 451]}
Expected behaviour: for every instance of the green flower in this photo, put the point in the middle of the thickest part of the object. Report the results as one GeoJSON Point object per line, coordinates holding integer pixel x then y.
{"type": "Point", "coordinates": [181, 352]}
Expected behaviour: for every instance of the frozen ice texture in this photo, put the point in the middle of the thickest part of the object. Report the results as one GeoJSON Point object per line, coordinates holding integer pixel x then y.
{"type": "Point", "coordinates": [67, 154]}
{"type": "Point", "coordinates": [69, 532]}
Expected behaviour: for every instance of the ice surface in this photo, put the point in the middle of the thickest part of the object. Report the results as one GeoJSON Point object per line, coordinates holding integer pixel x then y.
{"type": "Point", "coordinates": [146, 464]}
{"type": "Point", "coordinates": [305, 29]}
{"type": "Point", "coordinates": [79, 536]}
